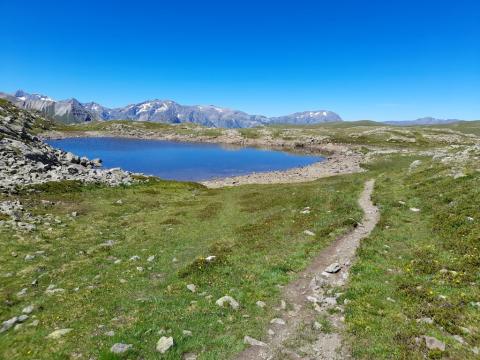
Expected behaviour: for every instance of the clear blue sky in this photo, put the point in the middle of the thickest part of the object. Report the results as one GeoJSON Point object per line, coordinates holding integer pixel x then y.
{"type": "Point", "coordinates": [381, 60]}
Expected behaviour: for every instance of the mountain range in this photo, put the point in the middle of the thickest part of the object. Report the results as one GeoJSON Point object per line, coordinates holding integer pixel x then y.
{"type": "Point", "coordinates": [422, 121]}
{"type": "Point", "coordinates": [164, 111]}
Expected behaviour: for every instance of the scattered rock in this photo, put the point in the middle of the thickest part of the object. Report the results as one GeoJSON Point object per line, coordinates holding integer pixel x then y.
{"type": "Point", "coordinates": [433, 344]}
{"type": "Point", "coordinates": [333, 268]}
{"type": "Point", "coordinates": [413, 209]}
{"type": "Point", "coordinates": [425, 320]}
{"type": "Point", "coordinates": [7, 324]}
{"type": "Point", "coordinates": [58, 333]}
{"type": "Point", "coordinates": [253, 342]}
{"type": "Point", "coordinates": [163, 344]}
{"type": "Point", "coordinates": [309, 233]}
{"type": "Point", "coordinates": [151, 258]}
{"type": "Point", "coordinates": [261, 304]}
{"type": "Point", "coordinates": [192, 287]}
{"type": "Point", "coordinates": [120, 348]}
{"type": "Point", "coordinates": [187, 332]}
{"type": "Point", "coordinates": [189, 356]}
{"type": "Point", "coordinates": [277, 321]}
{"type": "Point", "coordinates": [228, 299]}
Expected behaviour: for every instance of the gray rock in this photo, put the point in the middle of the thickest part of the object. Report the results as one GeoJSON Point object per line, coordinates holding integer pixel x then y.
{"type": "Point", "coordinates": [120, 348]}
{"type": "Point", "coordinates": [28, 309]}
{"type": "Point", "coordinates": [58, 333]}
{"type": "Point", "coordinates": [7, 324]}
{"type": "Point", "coordinates": [229, 300]}
{"type": "Point", "coordinates": [253, 342]}
{"type": "Point", "coordinates": [261, 304]}
{"type": "Point", "coordinates": [333, 268]}
{"type": "Point", "coordinates": [164, 344]}
{"type": "Point", "coordinates": [433, 344]}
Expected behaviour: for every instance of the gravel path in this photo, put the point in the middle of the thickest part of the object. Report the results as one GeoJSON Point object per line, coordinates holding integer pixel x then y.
{"type": "Point", "coordinates": [310, 297]}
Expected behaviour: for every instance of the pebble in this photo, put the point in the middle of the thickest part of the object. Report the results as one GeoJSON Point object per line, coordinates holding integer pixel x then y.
{"type": "Point", "coordinates": [309, 233]}
{"type": "Point", "coordinates": [187, 332]}
{"type": "Point", "coordinates": [415, 209]}
{"type": "Point", "coordinates": [192, 287]}
{"type": "Point", "coordinates": [151, 258]}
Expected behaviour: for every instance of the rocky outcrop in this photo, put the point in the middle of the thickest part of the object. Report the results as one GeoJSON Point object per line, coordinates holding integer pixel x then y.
{"type": "Point", "coordinates": [26, 160]}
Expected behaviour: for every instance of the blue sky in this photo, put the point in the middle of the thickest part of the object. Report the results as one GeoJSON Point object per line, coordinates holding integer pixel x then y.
{"type": "Point", "coordinates": [380, 60]}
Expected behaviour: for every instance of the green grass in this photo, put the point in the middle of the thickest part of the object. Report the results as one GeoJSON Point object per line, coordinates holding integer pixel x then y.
{"type": "Point", "coordinates": [415, 259]}
{"type": "Point", "coordinates": [256, 232]}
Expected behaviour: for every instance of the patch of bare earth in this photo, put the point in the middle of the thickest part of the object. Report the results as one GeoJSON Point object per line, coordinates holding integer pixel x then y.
{"type": "Point", "coordinates": [309, 322]}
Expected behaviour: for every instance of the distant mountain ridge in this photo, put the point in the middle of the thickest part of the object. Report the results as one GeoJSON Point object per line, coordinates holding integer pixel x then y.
{"type": "Point", "coordinates": [423, 121]}
{"type": "Point", "coordinates": [164, 111]}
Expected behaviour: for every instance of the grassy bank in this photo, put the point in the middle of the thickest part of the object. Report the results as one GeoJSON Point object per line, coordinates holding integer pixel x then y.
{"type": "Point", "coordinates": [255, 232]}
{"type": "Point", "coordinates": [418, 273]}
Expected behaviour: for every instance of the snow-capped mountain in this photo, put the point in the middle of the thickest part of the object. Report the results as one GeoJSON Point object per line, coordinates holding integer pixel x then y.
{"type": "Point", "coordinates": [66, 111]}
{"type": "Point", "coordinates": [307, 117]}
{"type": "Point", "coordinates": [165, 111]}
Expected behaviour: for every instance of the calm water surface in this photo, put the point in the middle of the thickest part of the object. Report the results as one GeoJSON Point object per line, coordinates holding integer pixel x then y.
{"type": "Point", "coordinates": [180, 160]}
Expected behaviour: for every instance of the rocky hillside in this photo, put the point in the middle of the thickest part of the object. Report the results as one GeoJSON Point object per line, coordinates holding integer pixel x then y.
{"type": "Point", "coordinates": [25, 160]}
{"type": "Point", "coordinates": [164, 111]}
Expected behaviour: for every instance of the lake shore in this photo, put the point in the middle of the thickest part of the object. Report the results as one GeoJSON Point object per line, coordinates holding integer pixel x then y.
{"type": "Point", "coordinates": [339, 159]}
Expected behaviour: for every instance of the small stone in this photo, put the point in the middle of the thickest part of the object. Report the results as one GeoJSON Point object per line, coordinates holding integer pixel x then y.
{"type": "Point", "coordinates": [333, 268]}
{"type": "Point", "coordinates": [210, 258]}
{"type": "Point", "coordinates": [163, 344]}
{"type": "Point", "coordinates": [187, 332]}
{"type": "Point", "coordinates": [135, 258]}
{"type": "Point", "coordinates": [425, 320]}
{"type": "Point", "coordinates": [7, 324]}
{"type": "Point", "coordinates": [189, 356]}
{"type": "Point", "coordinates": [261, 304]}
{"type": "Point", "coordinates": [433, 344]}
{"type": "Point", "coordinates": [110, 333]}
{"type": "Point", "coordinates": [253, 342]}
{"type": "Point", "coordinates": [22, 292]}
{"type": "Point", "coordinates": [228, 299]}
{"type": "Point", "coordinates": [119, 202]}
{"type": "Point", "coordinates": [459, 339]}
{"type": "Point", "coordinates": [271, 332]}
{"type": "Point", "coordinates": [192, 287]}
{"type": "Point", "coordinates": [413, 209]}
{"type": "Point", "coordinates": [58, 333]}
{"type": "Point", "coordinates": [29, 257]}
{"type": "Point", "coordinates": [277, 321]}
{"type": "Point", "coordinates": [151, 258]}
{"type": "Point", "coordinates": [28, 309]}
{"type": "Point", "coordinates": [22, 318]}
{"type": "Point", "coordinates": [309, 233]}
{"type": "Point", "coordinates": [317, 325]}
{"type": "Point", "coordinates": [120, 348]}
{"type": "Point", "coordinates": [34, 323]}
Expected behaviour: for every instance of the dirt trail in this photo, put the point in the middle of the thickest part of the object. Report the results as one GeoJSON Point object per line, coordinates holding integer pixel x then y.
{"type": "Point", "coordinates": [312, 297]}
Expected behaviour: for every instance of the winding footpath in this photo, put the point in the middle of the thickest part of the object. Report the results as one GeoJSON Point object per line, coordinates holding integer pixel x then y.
{"type": "Point", "coordinates": [295, 333]}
